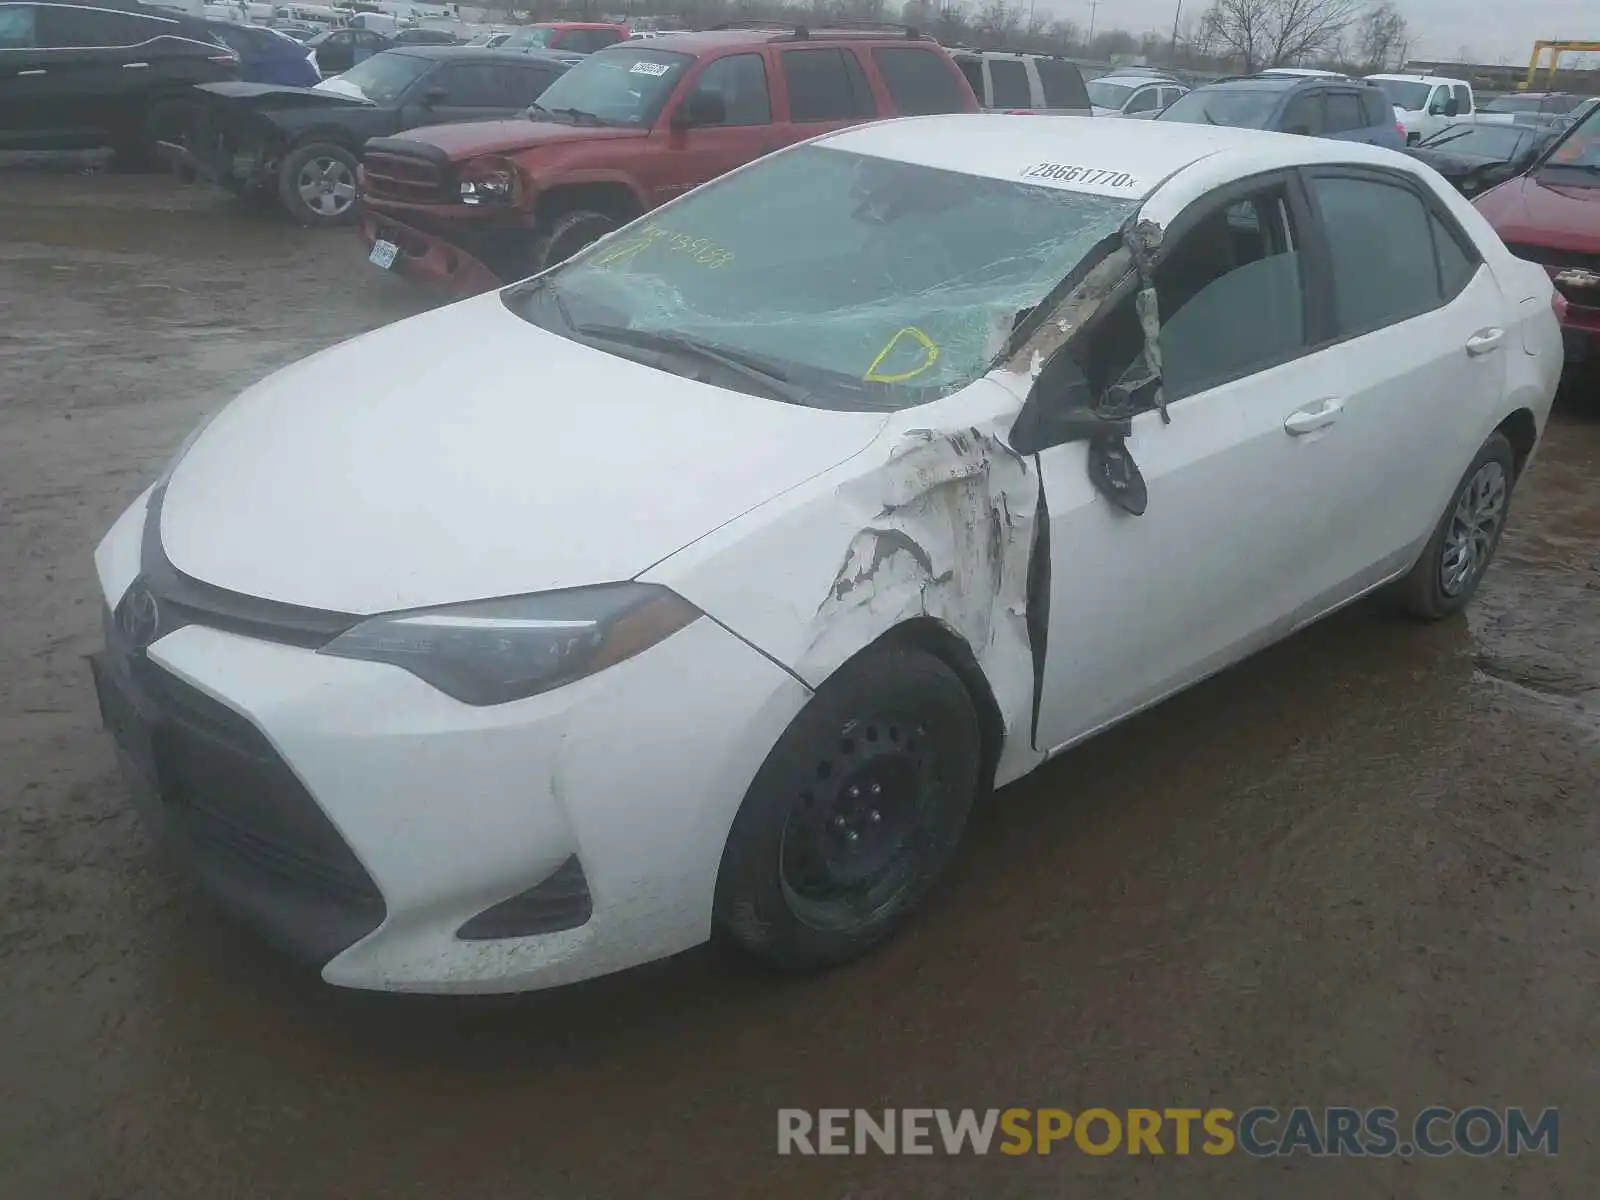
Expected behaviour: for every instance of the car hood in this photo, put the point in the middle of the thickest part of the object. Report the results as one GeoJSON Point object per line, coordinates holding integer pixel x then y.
{"type": "Point", "coordinates": [471, 138]}
{"type": "Point", "coordinates": [271, 97]}
{"type": "Point", "coordinates": [1448, 163]}
{"type": "Point", "coordinates": [1562, 216]}
{"type": "Point", "coordinates": [466, 454]}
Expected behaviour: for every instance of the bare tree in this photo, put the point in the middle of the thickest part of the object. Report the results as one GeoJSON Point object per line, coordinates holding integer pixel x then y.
{"type": "Point", "coordinates": [998, 21]}
{"type": "Point", "coordinates": [1270, 33]}
{"type": "Point", "coordinates": [1382, 38]}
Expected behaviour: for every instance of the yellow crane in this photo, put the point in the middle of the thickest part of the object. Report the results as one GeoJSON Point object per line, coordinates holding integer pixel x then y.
{"type": "Point", "coordinates": [1557, 49]}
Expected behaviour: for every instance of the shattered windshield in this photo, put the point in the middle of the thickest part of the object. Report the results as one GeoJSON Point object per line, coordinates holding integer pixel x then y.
{"type": "Point", "coordinates": [863, 282]}
{"type": "Point", "coordinates": [624, 85]}
{"type": "Point", "coordinates": [384, 77]}
{"type": "Point", "coordinates": [1579, 150]}
{"type": "Point", "coordinates": [1250, 108]}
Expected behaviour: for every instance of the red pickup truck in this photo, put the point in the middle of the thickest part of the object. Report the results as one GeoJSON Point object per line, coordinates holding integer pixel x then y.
{"type": "Point", "coordinates": [1551, 216]}
{"type": "Point", "coordinates": [468, 207]}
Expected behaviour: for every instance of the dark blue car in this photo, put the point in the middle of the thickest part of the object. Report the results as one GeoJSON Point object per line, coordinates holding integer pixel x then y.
{"type": "Point", "coordinates": [267, 56]}
{"type": "Point", "coordinates": [1317, 106]}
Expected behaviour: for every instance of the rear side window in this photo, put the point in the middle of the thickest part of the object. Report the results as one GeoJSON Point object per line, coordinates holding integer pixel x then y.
{"type": "Point", "coordinates": [1303, 114]}
{"type": "Point", "coordinates": [972, 68]}
{"type": "Point", "coordinates": [604, 37]}
{"type": "Point", "coordinates": [919, 81]}
{"type": "Point", "coordinates": [526, 84]}
{"type": "Point", "coordinates": [1343, 113]}
{"type": "Point", "coordinates": [16, 27]}
{"type": "Point", "coordinates": [1457, 265]}
{"type": "Point", "coordinates": [1010, 80]}
{"type": "Point", "coordinates": [1376, 109]}
{"type": "Point", "coordinates": [741, 81]}
{"type": "Point", "coordinates": [822, 86]}
{"type": "Point", "coordinates": [1063, 86]}
{"type": "Point", "coordinates": [1145, 100]}
{"type": "Point", "coordinates": [1381, 241]}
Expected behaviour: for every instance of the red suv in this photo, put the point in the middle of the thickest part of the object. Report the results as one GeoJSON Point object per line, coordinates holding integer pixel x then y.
{"type": "Point", "coordinates": [1551, 216]}
{"type": "Point", "coordinates": [471, 206]}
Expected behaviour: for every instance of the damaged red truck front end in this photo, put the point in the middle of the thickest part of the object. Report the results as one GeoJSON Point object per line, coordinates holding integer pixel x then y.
{"type": "Point", "coordinates": [470, 207]}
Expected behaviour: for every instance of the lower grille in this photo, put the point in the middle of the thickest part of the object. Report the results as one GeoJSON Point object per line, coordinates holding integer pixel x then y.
{"type": "Point", "coordinates": [226, 801]}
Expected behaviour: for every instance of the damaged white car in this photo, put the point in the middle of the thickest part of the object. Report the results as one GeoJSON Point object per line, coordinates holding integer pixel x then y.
{"type": "Point", "coordinates": [700, 585]}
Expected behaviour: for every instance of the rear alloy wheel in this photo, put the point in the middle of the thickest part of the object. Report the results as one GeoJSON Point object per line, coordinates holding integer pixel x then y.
{"type": "Point", "coordinates": [855, 813]}
{"type": "Point", "coordinates": [317, 184]}
{"type": "Point", "coordinates": [1447, 575]}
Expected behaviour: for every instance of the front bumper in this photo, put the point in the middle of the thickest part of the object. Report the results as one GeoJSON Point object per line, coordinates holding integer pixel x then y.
{"type": "Point", "coordinates": [427, 257]}
{"type": "Point", "coordinates": [359, 818]}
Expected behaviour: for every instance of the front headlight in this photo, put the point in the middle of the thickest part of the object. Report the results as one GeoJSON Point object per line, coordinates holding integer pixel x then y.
{"type": "Point", "coordinates": [489, 181]}
{"type": "Point", "coordinates": [495, 651]}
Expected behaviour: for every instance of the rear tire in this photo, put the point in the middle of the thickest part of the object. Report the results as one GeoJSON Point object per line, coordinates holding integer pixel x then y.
{"type": "Point", "coordinates": [568, 234]}
{"type": "Point", "coordinates": [317, 184]}
{"type": "Point", "coordinates": [1446, 577]}
{"type": "Point", "coordinates": [166, 120]}
{"type": "Point", "coordinates": [854, 815]}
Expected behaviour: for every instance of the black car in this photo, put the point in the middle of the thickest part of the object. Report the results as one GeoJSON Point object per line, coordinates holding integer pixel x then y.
{"type": "Point", "coordinates": [1474, 158]}
{"type": "Point", "coordinates": [304, 144]}
{"type": "Point", "coordinates": [340, 49]}
{"type": "Point", "coordinates": [116, 74]}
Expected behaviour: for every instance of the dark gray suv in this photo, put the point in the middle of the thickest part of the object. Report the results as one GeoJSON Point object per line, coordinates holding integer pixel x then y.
{"type": "Point", "coordinates": [1319, 106]}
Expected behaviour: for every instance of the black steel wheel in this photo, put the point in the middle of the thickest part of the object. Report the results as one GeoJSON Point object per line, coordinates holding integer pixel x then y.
{"type": "Point", "coordinates": [854, 814]}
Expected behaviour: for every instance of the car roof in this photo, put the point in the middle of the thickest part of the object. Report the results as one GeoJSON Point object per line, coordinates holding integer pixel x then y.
{"type": "Point", "coordinates": [1136, 80]}
{"type": "Point", "coordinates": [574, 25]}
{"type": "Point", "coordinates": [1006, 146]}
{"type": "Point", "coordinates": [705, 40]}
{"type": "Point", "coordinates": [1422, 79]}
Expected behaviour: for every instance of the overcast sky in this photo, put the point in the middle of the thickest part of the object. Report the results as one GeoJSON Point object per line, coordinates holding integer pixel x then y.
{"type": "Point", "coordinates": [1490, 28]}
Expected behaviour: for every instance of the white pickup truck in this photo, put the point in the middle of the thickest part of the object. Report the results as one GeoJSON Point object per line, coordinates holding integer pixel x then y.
{"type": "Point", "coordinates": [1425, 104]}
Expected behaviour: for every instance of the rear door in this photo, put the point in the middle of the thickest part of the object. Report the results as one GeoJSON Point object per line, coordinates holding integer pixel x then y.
{"type": "Point", "coordinates": [823, 89]}
{"type": "Point", "coordinates": [1008, 84]}
{"type": "Point", "coordinates": [919, 80]}
{"type": "Point", "coordinates": [1303, 114]}
{"type": "Point", "coordinates": [1415, 364]}
{"type": "Point", "coordinates": [98, 63]}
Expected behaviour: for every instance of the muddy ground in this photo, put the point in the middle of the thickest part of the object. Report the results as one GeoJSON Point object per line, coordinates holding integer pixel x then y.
{"type": "Point", "coordinates": [1363, 868]}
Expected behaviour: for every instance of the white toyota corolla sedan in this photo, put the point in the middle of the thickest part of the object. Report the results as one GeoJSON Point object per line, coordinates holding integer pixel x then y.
{"type": "Point", "coordinates": [700, 585]}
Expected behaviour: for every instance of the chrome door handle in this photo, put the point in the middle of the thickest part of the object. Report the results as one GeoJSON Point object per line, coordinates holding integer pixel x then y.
{"type": "Point", "coordinates": [133, 66]}
{"type": "Point", "coordinates": [1313, 417]}
{"type": "Point", "coordinates": [35, 71]}
{"type": "Point", "coordinates": [1485, 340]}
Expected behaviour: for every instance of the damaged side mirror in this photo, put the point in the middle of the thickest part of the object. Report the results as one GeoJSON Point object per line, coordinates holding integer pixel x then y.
{"type": "Point", "coordinates": [1060, 411]}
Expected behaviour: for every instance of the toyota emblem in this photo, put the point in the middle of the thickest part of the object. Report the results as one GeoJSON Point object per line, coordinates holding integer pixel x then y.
{"type": "Point", "coordinates": [139, 616]}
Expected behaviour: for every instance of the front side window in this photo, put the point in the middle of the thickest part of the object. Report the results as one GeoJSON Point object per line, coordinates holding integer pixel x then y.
{"type": "Point", "coordinates": [866, 282]}
{"type": "Point", "coordinates": [1576, 157]}
{"type": "Point", "coordinates": [471, 85]}
{"type": "Point", "coordinates": [1382, 249]}
{"type": "Point", "coordinates": [1230, 299]}
{"type": "Point", "coordinates": [59, 26]}
{"type": "Point", "coordinates": [741, 81]}
{"type": "Point", "coordinates": [1010, 83]}
{"type": "Point", "coordinates": [1146, 100]}
{"type": "Point", "coordinates": [822, 88]}
{"type": "Point", "coordinates": [1436, 102]}
{"type": "Point", "coordinates": [919, 81]}
{"type": "Point", "coordinates": [17, 27]}
{"type": "Point", "coordinates": [621, 85]}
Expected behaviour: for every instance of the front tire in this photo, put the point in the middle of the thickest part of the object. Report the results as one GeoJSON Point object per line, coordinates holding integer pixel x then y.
{"type": "Point", "coordinates": [854, 815]}
{"type": "Point", "coordinates": [317, 184]}
{"type": "Point", "coordinates": [1447, 576]}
